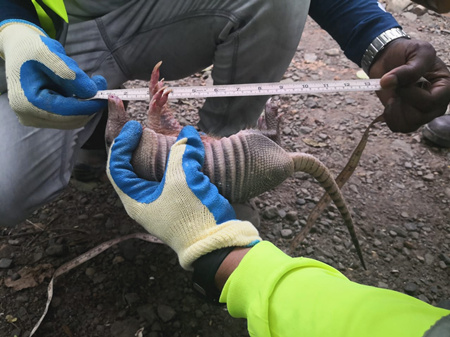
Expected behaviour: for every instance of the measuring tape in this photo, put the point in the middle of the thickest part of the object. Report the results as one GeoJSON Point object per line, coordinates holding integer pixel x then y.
{"type": "Point", "coordinates": [251, 89]}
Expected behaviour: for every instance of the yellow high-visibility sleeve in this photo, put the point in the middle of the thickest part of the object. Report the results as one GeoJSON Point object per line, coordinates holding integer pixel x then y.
{"type": "Point", "coordinates": [284, 296]}
{"type": "Point", "coordinates": [57, 6]}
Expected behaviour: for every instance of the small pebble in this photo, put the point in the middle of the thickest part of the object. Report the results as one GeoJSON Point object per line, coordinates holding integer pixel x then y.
{"type": "Point", "coordinates": [5, 263]}
{"type": "Point", "coordinates": [286, 233]}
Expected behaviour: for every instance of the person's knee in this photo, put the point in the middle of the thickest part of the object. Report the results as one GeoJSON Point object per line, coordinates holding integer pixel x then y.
{"type": "Point", "coordinates": [287, 17]}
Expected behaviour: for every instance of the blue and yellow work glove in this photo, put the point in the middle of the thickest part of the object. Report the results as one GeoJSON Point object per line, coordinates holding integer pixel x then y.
{"type": "Point", "coordinates": [184, 210]}
{"type": "Point", "coordinates": [45, 85]}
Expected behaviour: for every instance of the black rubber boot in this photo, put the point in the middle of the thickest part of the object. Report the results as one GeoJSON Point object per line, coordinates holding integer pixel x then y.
{"type": "Point", "coordinates": [438, 131]}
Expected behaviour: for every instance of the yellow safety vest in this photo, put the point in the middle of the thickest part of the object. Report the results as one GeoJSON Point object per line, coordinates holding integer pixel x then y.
{"type": "Point", "coordinates": [58, 8]}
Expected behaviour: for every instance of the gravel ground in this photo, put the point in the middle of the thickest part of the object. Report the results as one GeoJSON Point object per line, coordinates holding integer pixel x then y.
{"type": "Point", "coordinates": [399, 197]}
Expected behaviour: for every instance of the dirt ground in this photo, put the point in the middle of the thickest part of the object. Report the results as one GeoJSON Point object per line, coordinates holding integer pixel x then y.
{"type": "Point", "coordinates": [399, 197]}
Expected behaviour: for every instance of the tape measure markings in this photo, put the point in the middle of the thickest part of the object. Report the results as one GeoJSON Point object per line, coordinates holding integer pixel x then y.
{"type": "Point", "coordinates": [249, 89]}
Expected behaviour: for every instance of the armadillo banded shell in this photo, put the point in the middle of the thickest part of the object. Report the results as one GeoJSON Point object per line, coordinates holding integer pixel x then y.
{"type": "Point", "coordinates": [242, 166]}
{"type": "Point", "coordinates": [246, 164]}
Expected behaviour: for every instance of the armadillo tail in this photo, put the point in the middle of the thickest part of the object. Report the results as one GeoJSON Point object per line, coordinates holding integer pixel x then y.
{"type": "Point", "coordinates": [307, 163]}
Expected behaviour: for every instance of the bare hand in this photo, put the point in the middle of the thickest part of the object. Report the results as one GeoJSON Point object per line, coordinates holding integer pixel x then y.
{"type": "Point", "coordinates": [400, 66]}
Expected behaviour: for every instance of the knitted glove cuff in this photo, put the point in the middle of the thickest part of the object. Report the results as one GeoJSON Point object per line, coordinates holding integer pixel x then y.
{"type": "Point", "coordinates": [231, 233]}
{"type": "Point", "coordinates": [17, 22]}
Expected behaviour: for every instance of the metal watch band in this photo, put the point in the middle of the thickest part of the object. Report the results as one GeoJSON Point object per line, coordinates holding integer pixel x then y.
{"type": "Point", "coordinates": [378, 44]}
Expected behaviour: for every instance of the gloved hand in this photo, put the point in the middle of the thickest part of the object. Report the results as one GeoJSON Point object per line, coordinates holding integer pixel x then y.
{"type": "Point", "coordinates": [400, 65]}
{"type": "Point", "coordinates": [184, 210]}
{"type": "Point", "coordinates": [44, 84]}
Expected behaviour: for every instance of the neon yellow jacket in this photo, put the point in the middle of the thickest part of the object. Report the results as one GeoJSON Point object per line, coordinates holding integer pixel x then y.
{"type": "Point", "coordinates": [45, 18]}
{"type": "Point", "coordinates": [284, 296]}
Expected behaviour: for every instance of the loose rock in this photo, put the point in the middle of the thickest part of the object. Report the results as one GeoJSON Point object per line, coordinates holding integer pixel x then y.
{"type": "Point", "coordinates": [5, 263]}
{"type": "Point", "coordinates": [165, 312]}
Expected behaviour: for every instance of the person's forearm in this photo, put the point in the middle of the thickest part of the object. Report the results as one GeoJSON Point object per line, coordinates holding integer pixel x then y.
{"type": "Point", "coordinates": [352, 23]}
{"type": "Point", "coordinates": [228, 265]}
{"type": "Point", "coordinates": [19, 10]}
{"type": "Point", "coordinates": [285, 296]}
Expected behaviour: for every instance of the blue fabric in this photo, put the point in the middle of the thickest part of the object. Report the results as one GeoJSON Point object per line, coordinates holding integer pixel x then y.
{"type": "Point", "coordinates": [18, 9]}
{"type": "Point", "coordinates": [146, 192]}
{"type": "Point", "coordinates": [47, 91]}
{"type": "Point", "coordinates": [352, 23]}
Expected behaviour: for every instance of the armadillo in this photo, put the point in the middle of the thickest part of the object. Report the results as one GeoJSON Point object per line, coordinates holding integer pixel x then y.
{"type": "Point", "coordinates": [242, 166]}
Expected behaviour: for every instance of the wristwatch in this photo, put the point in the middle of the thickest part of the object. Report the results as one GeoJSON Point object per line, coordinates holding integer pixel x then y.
{"type": "Point", "coordinates": [378, 44]}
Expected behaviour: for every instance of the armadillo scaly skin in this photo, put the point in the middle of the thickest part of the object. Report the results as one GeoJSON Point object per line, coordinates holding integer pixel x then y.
{"type": "Point", "coordinates": [242, 166]}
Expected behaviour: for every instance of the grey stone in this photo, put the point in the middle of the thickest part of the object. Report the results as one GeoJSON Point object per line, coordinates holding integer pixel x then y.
{"type": "Point", "coordinates": [305, 130]}
{"type": "Point", "coordinates": [336, 239]}
{"type": "Point", "coordinates": [90, 272]}
{"type": "Point", "coordinates": [292, 216]}
{"type": "Point", "coordinates": [311, 103]}
{"type": "Point", "coordinates": [286, 233]}
{"type": "Point", "coordinates": [56, 250]}
{"type": "Point", "coordinates": [99, 216]}
{"type": "Point", "coordinates": [22, 298]}
{"type": "Point", "coordinates": [147, 313]}
{"type": "Point", "coordinates": [270, 212]}
{"type": "Point", "coordinates": [5, 263]}
{"type": "Point", "coordinates": [410, 288]}
{"type": "Point", "coordinates": [411, 226]}
{"type": "Point", "coordinates": [310, 57]}
{"type": "Point", "coordinates": [444, 303]}
{"type": "Point", "coordinates": [382, 285]}
{"type": "Point", "coordinates": [428, 177]}
{"type": "Point", "coordinates": [165, 312]}
{"type": "Point", "coordinates": [332, 52]}
{"type": "Point", "coordinates": [282, 213]}
{"type": "Point", "coordinates": [399, 231]}
{"type": "Point", "coordinates": [429, 259]}
{"type": "Point", "coordinates": [99, 278]}
{"type": "Point", "coordinates": [132, 298]}
{"type": "Point", "coordinates": [38, 256]}
{"type": "Point", "coordinates": [397, 6]}
{"type": "Point", "coordinates": [125, 328]}
{"type": "Point", "coordinates": [422, 297]}
{"type": "Point", "coordinates": [445, 258]}
{"type": "Point", "coordinates": [300, 201]}
{"type": "Point", "coordinates": [447, 192]}
{"type": "Point", "coordinates": [377, 243]}
{"type": "Point", "coordinates": [410, 16]}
